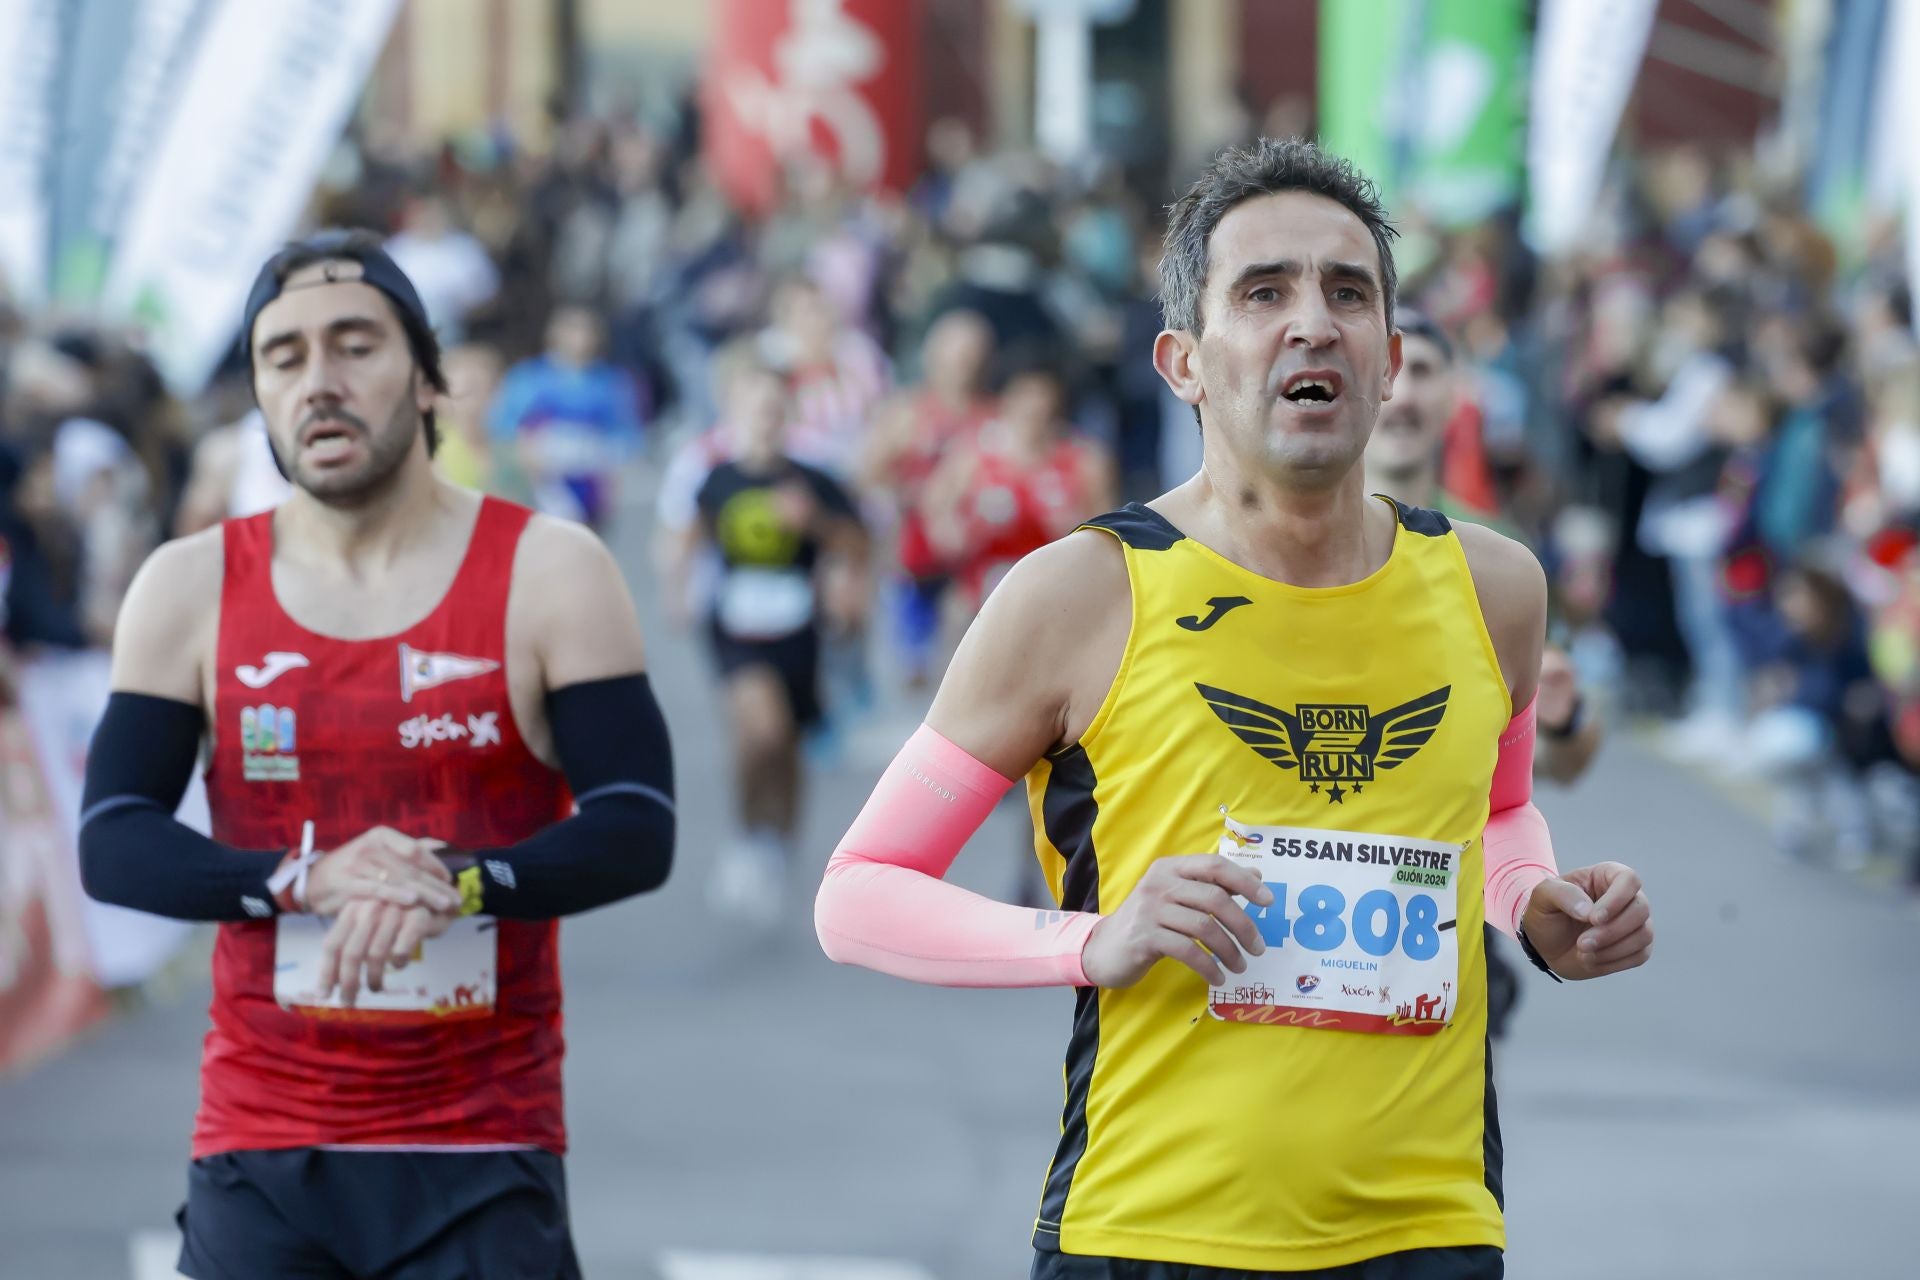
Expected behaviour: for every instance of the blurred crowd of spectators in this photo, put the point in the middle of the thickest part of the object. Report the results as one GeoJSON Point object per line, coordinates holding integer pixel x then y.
{"type": "Point", "coordinates": [1706, 421]}
{"type": "Point", "coordinates": [1723, 404]}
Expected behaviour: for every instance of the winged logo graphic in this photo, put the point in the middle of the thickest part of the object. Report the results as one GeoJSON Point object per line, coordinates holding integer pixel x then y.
{"type": "Point", "coordinates": [1341, 745]}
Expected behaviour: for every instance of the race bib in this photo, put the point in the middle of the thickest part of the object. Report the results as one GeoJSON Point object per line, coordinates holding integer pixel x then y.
{"type": "Point", "coordinates": [1360, 935]}
{"type": "Point", "coordinates": [572, 449]}
{"type": "Point", "coordinates": [765, 604]}
{"type": "Point", "coordinates": [452, 976]}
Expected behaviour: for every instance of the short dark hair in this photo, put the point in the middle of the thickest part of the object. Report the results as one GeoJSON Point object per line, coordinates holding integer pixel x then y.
{"type": "Point", "coordinates": [1418, 324]}
{"type": "Point", "coordinates": [1030, 358]}
{"type": "Point", "coordinates": [1268, 166]}
{"type": "Point", "coordinates": [1821, 341]}
{"type": "Point", "coordinates": [356, 245]}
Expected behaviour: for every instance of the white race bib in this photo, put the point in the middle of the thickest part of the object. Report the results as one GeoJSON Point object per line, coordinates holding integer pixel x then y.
{"type": "Point", "coordinates": [765, 604]}
{"type": "Point", "coordinates": [572, 449]}
{"type": "Point", "coordinates": [1361, 934]}
{"type": "Point", "coordinates": [452, 975]}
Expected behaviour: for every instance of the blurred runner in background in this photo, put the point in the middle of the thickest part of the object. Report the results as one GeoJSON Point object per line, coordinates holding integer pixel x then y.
{"type": "Point", "coordinates": [793, 558]}
{"type": "Point", "coordinates": [570, 420]}
{"type": "Point", "coordinates": [939, 417]}
{"type": "Point", "coordinates": [1404, 458]}
{"type": "Point", "coordinates": [1022, 480]}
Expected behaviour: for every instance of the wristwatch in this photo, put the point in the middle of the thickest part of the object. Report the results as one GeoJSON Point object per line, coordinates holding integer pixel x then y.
{"type": "Point", "coordinates": [1575, 722]}
{"type": "Point", "coordinates": [465, 869]}
{"type": "Point", "coordinates": [1533, 954]}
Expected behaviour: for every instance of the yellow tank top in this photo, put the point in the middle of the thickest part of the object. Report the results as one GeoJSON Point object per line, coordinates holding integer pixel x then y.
{"type": "Point", "coordinates": [1335, 1103]}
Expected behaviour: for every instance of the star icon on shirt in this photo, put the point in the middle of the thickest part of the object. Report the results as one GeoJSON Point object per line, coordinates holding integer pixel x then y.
{"type": "Point", "coordinates": [1335, 795]}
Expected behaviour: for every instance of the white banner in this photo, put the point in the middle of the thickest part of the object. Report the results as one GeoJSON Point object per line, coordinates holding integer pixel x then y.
{"type": "Point", "coordinates": [62, 696]}
{"type": "Point", "coordinates": [1586, 56]}
{"type": "Point", "coordinates": [1899, 100]}
{"type": "Point", "coordinates": [29, 66]}
{"type": "Point", "coordinates": [118, 80]}
{"type": "Point", "coordinates": [266, 93]}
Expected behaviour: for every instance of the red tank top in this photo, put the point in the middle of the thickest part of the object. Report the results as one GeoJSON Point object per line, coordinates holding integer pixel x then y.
{"type": "Point", "coordinates": [937, 429]}
{"type": "Point", "coordinates": [1014, 508]}
{"type": "Point", "coordinates": [414, 732]}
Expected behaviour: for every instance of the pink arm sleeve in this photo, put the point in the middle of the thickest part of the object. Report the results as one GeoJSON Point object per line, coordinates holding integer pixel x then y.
{"type": "Point", "coordinates": [1517, 849]}
{"type": "Point", "coordinates": [883, 904]}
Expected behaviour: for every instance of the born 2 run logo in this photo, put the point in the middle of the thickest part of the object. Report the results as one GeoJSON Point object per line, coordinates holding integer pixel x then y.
{"type": "Point", "coordinates": [1339, 744]}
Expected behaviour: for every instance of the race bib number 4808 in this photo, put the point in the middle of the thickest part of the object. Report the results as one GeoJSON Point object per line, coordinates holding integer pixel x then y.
{"type": "Point", "coordinates": [1360, 934]}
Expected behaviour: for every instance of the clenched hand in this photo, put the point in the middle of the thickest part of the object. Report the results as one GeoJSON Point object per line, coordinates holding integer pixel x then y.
{"type": "Point", "coordinates": [1182, 909]}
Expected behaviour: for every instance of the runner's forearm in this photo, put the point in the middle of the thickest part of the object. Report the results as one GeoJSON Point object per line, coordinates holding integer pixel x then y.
{"type": "Point", "coordinates": [883, 904]}
{"type": "Point", "coordinates": [614, 750]}
{"type": "Point", "coordinates": [132, 851]}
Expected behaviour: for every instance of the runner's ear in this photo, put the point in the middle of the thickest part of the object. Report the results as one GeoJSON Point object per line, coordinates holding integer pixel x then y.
{"type": "Point", "coordinates": [1175, 354]}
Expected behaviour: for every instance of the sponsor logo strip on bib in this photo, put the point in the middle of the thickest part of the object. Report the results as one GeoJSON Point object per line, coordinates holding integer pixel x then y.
{"type": "Point", "coordinates": [451, 976]}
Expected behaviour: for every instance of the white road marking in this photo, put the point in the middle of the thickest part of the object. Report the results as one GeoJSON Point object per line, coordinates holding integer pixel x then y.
{"type": "Point", "coordinates": [153, 1253]}
{"type": "Point", "coordinates": [683, 1264]}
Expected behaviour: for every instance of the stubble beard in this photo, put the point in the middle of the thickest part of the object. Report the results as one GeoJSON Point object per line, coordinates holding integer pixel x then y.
{"type": "Point", "coordinates": [387, 450]}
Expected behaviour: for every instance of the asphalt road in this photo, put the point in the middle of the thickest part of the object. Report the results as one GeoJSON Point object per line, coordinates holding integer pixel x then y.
{"type": "Point", "coordinates": [1749, 1105]}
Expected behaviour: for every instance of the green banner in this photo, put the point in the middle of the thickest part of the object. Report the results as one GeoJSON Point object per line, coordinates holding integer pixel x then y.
{"type": "Point", "coordinates": [1428, 97]}
{"type": "Point", "coordinates": [1364, 49]}
{"type": "Point", "coordinates": [1471, 140]}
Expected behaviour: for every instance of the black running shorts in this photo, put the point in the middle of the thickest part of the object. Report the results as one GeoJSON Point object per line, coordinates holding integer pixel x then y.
{"type": "Point", "coordinates": [1477, 1262]}
{"type": "Point", "coordinates": [311, 1214]}
{"type": "Point", "coordinates": [794, 660]}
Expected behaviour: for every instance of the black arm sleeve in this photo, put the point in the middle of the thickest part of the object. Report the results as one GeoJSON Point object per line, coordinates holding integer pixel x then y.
{"type": "Point", "coordinates": [613, 748]}
{"type": "Point", "coordinates": [132, 852]}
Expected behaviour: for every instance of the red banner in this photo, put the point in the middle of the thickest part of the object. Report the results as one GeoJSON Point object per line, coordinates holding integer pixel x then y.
{"type": "Point", "coordinates": [836, 79]}
{"type": "Point", "coordinates": [47, 991]}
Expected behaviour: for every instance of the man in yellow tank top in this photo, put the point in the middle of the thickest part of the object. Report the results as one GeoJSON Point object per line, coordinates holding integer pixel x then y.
{"type": "Point", "coordinates": [1275, 731]}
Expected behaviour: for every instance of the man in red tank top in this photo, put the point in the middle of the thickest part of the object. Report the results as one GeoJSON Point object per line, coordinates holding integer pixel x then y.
{"type": "Point", "coordinates": [428, 734]}
{"type": "Point", "coordinates": [1019, 482]}
{"type": "Point", "coordinates": [911, 435]}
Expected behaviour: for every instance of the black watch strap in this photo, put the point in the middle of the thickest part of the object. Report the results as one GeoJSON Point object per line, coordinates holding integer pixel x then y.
{"type": "Point", "coordinates": [1534, 955]}
{"type": "Point", "coordinates": [1560, 733]}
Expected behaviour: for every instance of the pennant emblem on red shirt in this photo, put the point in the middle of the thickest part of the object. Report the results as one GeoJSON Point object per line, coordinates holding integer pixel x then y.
{"type": "Point", "coordinates": [420, 670]}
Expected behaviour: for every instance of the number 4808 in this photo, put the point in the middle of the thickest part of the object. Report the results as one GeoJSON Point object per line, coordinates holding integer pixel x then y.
{"type": "Point", "coordinates": [1321, 924]}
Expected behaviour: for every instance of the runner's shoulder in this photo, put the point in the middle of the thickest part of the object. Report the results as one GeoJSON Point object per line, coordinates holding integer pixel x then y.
{"type": "Point", "coordinates": [1504, 569]}
{"type": "Point", "coordinates": [173, 603]}
{"type": "Point", "coordinates": [1057, 596]}
{"type": "Point", "coordinates": [827, 488]}
{"type": "Point", "coordinates": [180, 580]}
{"type": "Point", "coordinates": [563, 554]}
{"type": "Point", "coordinates": [1512, 591]}
{"type": "Point", "coordinates": [1042, 654]}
